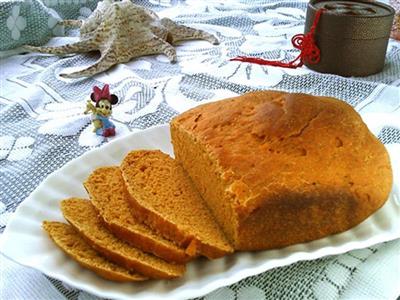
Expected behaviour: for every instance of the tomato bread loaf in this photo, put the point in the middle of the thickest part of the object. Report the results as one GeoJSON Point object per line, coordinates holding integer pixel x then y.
{"type": "Point", "coordinates": [277, 168]}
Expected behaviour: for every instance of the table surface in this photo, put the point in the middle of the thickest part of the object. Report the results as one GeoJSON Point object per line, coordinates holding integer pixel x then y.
{"type": "Point", "coordinates": [43, 127]}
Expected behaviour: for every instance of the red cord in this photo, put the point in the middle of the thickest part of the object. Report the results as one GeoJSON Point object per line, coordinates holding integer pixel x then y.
{"type": "Point", "coordinates": [309, 52]}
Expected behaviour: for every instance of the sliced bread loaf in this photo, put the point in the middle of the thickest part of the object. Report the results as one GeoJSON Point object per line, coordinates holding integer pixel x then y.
{"type": "Point", "coordinates": [108, 194]}
{"type": "Point", "coordinates": [278, 169]}
{"type": "Point", "coordinates": [72, 244]}
{"type": "Point", "coordinates": [165, 198]}
{"type": "Point", "coordinates": [83, 217]}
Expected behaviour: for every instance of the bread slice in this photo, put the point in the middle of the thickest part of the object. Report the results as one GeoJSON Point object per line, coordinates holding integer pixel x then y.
{"type": "Point", "coordinates": [165, 198]}
{"type": "Point", "coordinates": [108, 194]}
{"type": "Point", "coordinates": [83, 217]}
{"type": "Point", "coordinates": [72, 244]}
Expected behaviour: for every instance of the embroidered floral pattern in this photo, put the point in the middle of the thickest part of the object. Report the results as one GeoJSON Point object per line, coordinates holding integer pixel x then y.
{"type": "Point", "coordinates": [84, 12]}
{"type": "Point", "coordinates": [52, 108]}
{"type": "Point", "coordinates": [14, 149]}
{"type": "Point", "coordinates": [16, 23]}
{"type": "Point", "coordinates": [56, 28]}
{"type": "Point", "coordinates": [4, 216]}
{"type": "Point", "coordinates": [68, 119]}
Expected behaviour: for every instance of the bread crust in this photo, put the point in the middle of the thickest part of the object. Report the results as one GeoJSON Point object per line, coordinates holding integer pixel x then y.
{"type": "Point", "coordinates": [278, 158]}
{"type": "Point", "coordinates": [156, 218]}
{"type": "Point", "coordinates": [64, 236]}
{"type": "Point", "coordinates": [148, 244]}
{"type": "Point", "coordinates": [172, 231]}
{"type": "Point", "coordinates": [106, 179]}
{"type": "Point", "coordinates": [95, 235]}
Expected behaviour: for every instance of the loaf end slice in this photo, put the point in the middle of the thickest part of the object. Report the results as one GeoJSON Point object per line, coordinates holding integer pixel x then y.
{"type": "Point", "coordinates": [164, 197]}
{"type": "Point", "coordinates": [65, 237]}
{"type": "Point", "coordinates": [108, 195]}
{"type": "Point", "coordinates": [83, 217]}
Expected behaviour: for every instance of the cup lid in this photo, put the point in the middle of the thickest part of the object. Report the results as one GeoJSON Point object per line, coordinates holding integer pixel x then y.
{"type": "Point", "coordinates": [354, 8]}
{"type": "Point", "coordinates": [353, 19]}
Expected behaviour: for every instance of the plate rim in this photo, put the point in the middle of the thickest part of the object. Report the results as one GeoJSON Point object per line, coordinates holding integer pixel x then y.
{"type": "Point", "coordinates": [214, 285]}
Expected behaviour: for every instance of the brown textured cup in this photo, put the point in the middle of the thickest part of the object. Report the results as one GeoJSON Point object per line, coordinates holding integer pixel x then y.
{"type": "Point", "coordinates": [352, 36]}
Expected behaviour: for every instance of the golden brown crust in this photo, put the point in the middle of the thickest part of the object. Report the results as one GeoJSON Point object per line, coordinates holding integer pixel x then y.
{"type": "Point", "coordinates": [188, 227]}
{"type": "Point", "coordinates": [108, 195]}
{"type": "Point", "coordinates": [263, 145]}
{"type": "Point", "coordinates": [82, 216]}
{"type": "Point", "coordinates": [149, 245]}
{"type": "Point", "coordinates": [172, 231]}
{"type": "Point", "coordinates": [72, 244]}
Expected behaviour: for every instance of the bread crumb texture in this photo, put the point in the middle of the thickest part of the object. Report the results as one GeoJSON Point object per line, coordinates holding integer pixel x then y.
{"type": "Point", "coordinates": [108, 195]}
{"type": "Point", "coordinates": [83, 217]}
{"type": "Point", "coordinates": [166, 198]}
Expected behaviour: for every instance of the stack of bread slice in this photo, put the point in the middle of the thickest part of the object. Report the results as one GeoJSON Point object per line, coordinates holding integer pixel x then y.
{"type": "Point", "coordinates": [143, 220]}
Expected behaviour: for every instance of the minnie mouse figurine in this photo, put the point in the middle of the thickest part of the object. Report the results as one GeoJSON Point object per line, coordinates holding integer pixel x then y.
{"type": "Point", "coordinates": [102, 110]}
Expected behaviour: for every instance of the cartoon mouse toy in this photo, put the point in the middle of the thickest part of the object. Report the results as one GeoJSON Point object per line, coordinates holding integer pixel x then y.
{"type": "Point", "coordinates": [102, 110]}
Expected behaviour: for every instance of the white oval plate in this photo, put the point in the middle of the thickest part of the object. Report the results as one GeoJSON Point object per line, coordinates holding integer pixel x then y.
{"type": "Point", "coordinates": [25, 242]}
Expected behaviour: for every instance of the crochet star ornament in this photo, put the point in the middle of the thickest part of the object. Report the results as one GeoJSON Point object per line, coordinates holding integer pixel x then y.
{"type": "Point", "coordinates": [122, 31]}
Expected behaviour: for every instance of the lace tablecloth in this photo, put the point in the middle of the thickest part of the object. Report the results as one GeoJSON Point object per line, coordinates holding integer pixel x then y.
{"type": "Point", "coordinates": [42, 126]}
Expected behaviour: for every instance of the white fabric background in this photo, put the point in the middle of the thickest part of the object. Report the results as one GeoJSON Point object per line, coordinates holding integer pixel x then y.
{"type": "Point", "coordinates": [42, 126]}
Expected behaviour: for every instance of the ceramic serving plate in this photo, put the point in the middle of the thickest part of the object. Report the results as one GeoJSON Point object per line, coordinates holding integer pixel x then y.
{"type": "Point", "coordinates": [25, 242]}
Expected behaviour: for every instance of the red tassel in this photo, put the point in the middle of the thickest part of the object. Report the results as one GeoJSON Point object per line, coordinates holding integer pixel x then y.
{"type": "Point", "coordinates": [309, 52]}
